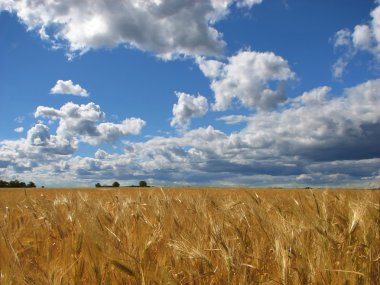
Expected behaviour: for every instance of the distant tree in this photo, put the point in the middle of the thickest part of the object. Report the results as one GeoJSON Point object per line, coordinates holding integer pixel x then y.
{"type": "Point", "coordinates": [98, 185]}
{"type": "Point", "coordinates": [143, 183]}
{"type": "Point", "coordinates": [31, 185]}
{"type": "Point", "coordinates": [14, 183]}
{"type": "Point", "coordinates": [116, 184]}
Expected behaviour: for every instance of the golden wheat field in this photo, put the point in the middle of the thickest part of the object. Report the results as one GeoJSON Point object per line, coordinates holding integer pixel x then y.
{"type": "Point", "coordinates": [189, 236]}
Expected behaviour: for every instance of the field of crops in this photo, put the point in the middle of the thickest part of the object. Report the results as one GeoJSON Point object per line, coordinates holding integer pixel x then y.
{"type": "Point", "coordinates": [189, 236]}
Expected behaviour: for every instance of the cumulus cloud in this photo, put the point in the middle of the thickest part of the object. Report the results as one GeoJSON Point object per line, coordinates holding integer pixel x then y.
{"type": "Point", "coordinates": [298, 142]}
{"type": "Point", "coordinates": [246, 77]}
{"type": "Point", "coordinates": [332, 142]}
{"type": "Point", "coordinates": [318, 139]}
{"type": "Point", "coordinates": [315, 96]}
{"type": "Point", "coordinates": [166, 28]}
{"type": "Point", "coordinates": [363, 38]}
{"type": "Point", "coordinates": [38, 148]}
{"type": "Point", "coordinates": [43, 147]}
{"type": "Point", "coordinates": [340, 128]}
{"type": "Point", "coordinates": [110, 132]}
{"type": "Point", "coordinates": [38, 135]}
{"type": "Point", "coordinates": [68, 87]}
{"type": "Point", "coordinates": [84, 122]}
{"type": "Point", "coordinates": [186, 108]}
{"type": "Point", "coordinates": [19, 130]}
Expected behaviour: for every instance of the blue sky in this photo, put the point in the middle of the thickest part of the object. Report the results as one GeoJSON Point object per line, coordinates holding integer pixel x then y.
{"type": "Point", "coordinates": [214, 92]}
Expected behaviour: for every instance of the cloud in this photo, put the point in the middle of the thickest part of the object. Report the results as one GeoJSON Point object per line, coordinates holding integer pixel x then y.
{"type": "Point", "coordinates": [340, 128]}
{"type": "Point", "coordinates": [39, 147]}
{"type": "Point", "coordinates": [42, 147]}
{"type": "Point", "coordinates": [38, 135]}
{"type": "Point", "coordinates": [233, 119]}
{"type": "Point", "coordinates": [188, 107]}
{"type": "Point", "coordinates": [166, 28]}
{"type": "Point", "coordinates": [68, 87]}
{"type": "Point", "coordinates": [248, 3]}
{"type": "Point", "coordinates": [19, 119]}
{"type": "Point", "coordinates": [363, 38]}
{"type": "Point", "coordinates": [342, 38]}
{"type": "Point", "coordinates": [318, 138]}
{"type": "Point", "coordinates": [283, 145]}
{"type": "Point", "coordinates": [316, 96]}
{"type": "Point", "coordinates": [111, 132]}
{"type": "Point", "coordinates": [247, 77]}
{"type": "Point", "coordinates": [19, 130]}
{"type": "Point", "coordinates": [84, 122]}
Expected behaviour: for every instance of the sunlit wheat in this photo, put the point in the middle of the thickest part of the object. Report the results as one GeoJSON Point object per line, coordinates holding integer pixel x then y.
{"type": "Point", "coordinates": [189, 236]}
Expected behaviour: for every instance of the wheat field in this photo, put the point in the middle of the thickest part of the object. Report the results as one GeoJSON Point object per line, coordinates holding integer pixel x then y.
{"type": "Point", "coordinates": [189, 236]}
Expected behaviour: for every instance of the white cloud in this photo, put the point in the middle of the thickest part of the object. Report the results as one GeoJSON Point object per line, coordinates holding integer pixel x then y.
{"type": "Point", "coordinates": [345, 127]}
{"type": "Point", "coordinates": [247, 77]}
{"type": "Point", "coordinates": [188, 107]}
{"type": "Point", "coordinates": [361, 37]}
{"type": "Point", "coordinates": [319, 139]}
{"type": "Point", "coordinates": [315, 96]}
{"type": "Point", "coordinates": [364, 37]}
{"type": "Point", "coordinates": [248, 3]}
{"type": "Point", "coordinates": [210, 68]}
{"type": "Point", "coordinates": [43, 147]}
{"type": "Point", "coordinates": [340, 65]}
{"type": "Point", "coordinates": [101, 154]}
{"type": "Point", "coordinates": [234, 119]}
{"type": "Point", "coordinates": [110, 132]}
{"type": "Point", "coordinates": [68, 87]}
{"type": "Point", "coordinates": [38, 135]}
{"type": "Point", "coordinates": [19, 130]}
{"type": "Point", "coordinates": [166, 28]}
{"type": "Point", "coordinates": [296, 142]}
{"type": "Point", "coordinates": [342, 38]}
{"type": "Point", "coordinates": [332, 142]}
{"type": "Point", "coordinates": [38, 148]}
{"type": "Point", "coordinates": [84, 122]}
{"type": "Point", "coordinates": [19, 119]}
{"type": "Point", "coordinates": [74, 119]}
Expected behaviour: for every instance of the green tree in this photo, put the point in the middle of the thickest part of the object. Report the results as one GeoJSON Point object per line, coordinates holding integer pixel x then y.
{"type": "Point", "coordinates": [31, 185]}
{"type": "Point", "coordinates": [14, 183]}
{"type": "Point", "coordinates": [97, 185]}
{"type": "Point", "coordinates": [143, 183]}
{"type": "Point", "coordinates": [116, 184]}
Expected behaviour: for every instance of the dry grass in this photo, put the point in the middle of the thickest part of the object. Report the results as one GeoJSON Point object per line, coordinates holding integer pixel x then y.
{"type": "Point", "coordinates": [189, 236]}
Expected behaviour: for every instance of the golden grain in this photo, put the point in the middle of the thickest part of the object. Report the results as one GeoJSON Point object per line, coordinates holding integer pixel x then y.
{"type": "Point", "coordinates": [189, 236]}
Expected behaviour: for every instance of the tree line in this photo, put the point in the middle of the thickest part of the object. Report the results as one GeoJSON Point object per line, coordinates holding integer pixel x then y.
{"type": "Point", "coordinates": [16, 184]}
{"type": "Point", "coordinates": [117, 184]}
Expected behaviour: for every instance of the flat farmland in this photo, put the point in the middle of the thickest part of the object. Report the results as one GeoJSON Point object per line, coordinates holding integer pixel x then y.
{"type": "Point", "coordinates": [189, 236]}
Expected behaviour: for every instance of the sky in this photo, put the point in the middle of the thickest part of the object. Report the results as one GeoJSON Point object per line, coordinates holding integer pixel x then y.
{"type": "Point", "coordinates": [281, 93]}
